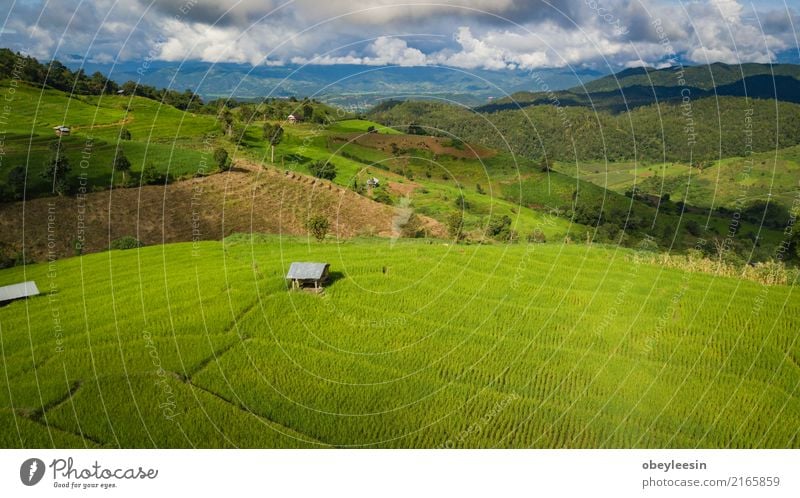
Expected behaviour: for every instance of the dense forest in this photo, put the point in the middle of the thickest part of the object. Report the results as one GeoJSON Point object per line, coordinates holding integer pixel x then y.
{"type": "Point", "coordinates": [699, 132]}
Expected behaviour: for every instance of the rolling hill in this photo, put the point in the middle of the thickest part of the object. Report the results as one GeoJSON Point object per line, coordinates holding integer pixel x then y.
{"type": "Point", "coordinates": [636, 87]}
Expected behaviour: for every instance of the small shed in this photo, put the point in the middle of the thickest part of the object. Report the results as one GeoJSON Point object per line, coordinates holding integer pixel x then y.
{"type": "Point", "coordinates": [310, 276]}
{"type": "Point", "coordinates": [61, 130]}
{"type": "Point", "coordinates": [373, 183]}
{"type": "Point", "coordinates": [18, 291]}
{"type": "Point", "coordinates": [292, 119]}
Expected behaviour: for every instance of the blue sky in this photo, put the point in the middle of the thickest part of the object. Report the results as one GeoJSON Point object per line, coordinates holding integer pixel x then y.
{"type": "Point", "coordinates": [469, 34]}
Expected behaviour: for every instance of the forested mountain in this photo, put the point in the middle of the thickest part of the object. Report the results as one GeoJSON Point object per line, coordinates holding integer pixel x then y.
{"type": "Point", "coordinates": [343, 84]}
{"type": "Point", "coordinates": [637, 87]}
{"type": "Point", "coordinates": [709, 129]}
{"type": "Point", "coordinates": [705, 77]}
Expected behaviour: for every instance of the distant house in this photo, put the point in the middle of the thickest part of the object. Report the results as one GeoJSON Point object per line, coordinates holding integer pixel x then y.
{"type": "Point", "coordinates": [309, 276]}
{"type": "Point", "coordinates": [373, 182]}
{"type": "Point", "coordinates": [18, 291]}
{"type": "Point", "coordinates": [292, 119]}
{"type": "Point", "coordinates": [120, 92]}
{"type": "Point", "coordinates": [61, 130]}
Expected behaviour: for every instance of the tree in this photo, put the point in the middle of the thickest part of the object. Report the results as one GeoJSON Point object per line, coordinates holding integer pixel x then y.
{"type": "Point", "coordinates": [499, 227]}
{"type": "Point", "coordinates": [273, 133]}
{"type": "Point", "coordinates": [308, 112]}
{"type": "Point", "coordinates": [455, 225]}
{"type": "Point", "coordinates": [318, 226]}
{"type": "Point", "coordinates": [16, 181]}
{"type": "Point", "coordinates": [323, 169]}
{"type": "Point", "coordinates": [57, 168]}
{"type": "Point", "coordinates": [150, 175]}
{"type": "Point", "coordinates": [226, 120]}
{"type": "Point", "coordinates": [121, 163]}
{"type": "Point", "coordinates": [221, 159]}
{"type": "Point", "coordinates": [415, 129]}
{"type": "Point", "coordinates": [124, 134]}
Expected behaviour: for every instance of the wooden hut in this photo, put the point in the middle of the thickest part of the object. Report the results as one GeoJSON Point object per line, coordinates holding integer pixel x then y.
{"type": "Point", "coordinates": [308, 276]}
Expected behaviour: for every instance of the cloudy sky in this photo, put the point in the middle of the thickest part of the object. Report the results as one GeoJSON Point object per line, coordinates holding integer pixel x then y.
{"type": "Point", "coordinates": [469, 34]}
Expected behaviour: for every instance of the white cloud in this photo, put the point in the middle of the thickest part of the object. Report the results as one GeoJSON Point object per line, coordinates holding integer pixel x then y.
{"type": "Point", "coordinates": [384, 50]}
{"type": "Point", "coordinates": [390, 50]}
{"type": "Point", "coordinates": [468, 34]}
{"type": "Point", "coordinates": [474, 53]}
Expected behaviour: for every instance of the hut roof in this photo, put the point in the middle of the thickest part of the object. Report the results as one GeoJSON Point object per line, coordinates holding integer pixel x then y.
{"type": "Point", "coordinates": [307, 271]}
{"type": "Point", "coordinates": [17, 291]}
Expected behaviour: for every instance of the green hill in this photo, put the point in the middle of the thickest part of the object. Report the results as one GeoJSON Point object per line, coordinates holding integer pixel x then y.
{"type": "Point", "coordinates": [636, 87]}
{"type": "Point", "coordinates": [705, 77]}
{"type": "Point", "coordinates": [169, 139]}
{"type": "Point", "coordinates": [410, 346]}
{"type": "Point", "coordinates": [710, 129]}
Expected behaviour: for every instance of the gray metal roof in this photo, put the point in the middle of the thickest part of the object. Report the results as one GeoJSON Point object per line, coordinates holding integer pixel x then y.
{"type": "Point", "coordinates": [17, 291]}
{"type": "Point", "coordinates": [306, 271]}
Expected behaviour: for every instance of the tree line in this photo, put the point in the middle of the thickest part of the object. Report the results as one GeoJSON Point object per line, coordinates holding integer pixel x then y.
{"type": "Point", "coordinates": [56, 75]}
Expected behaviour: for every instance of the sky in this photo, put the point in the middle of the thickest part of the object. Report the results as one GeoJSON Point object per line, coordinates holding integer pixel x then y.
{"type": "Point", "coordinates": [467, 34]}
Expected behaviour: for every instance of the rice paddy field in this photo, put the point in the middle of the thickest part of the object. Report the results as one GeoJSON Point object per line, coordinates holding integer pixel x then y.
{"type": "Point", "coordinates": [418, 344]}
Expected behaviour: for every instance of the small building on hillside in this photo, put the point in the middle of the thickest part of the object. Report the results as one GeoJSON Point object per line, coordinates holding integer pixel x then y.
{"type": "Point", "coordinates": [308, 276]}
{"type": "Point", "coordinates": [292, 119]}
{"type": "Point", "coordinates": [373, 182]}
{"type": "Point", "coordinates": [61, 131]}
{"type": "Point", "coordinates": [18, 291]}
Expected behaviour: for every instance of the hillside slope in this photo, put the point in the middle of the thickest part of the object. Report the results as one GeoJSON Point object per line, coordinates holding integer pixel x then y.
{"type": "Point", "coordinates": [246, 199]}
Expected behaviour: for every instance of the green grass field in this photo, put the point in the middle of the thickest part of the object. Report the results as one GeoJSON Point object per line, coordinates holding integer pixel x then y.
{"type": "Point", "coordinates": [169, 139]}
{"type": "Point", "coordinates": [413, 344]}
{"type": "Point", "coordinates": [722, 183]}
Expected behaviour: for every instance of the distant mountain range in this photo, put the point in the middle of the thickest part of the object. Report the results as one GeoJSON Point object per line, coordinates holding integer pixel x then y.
{"type": "Point", "coordinates": [637, 87]}
{"type": "Point", "coordinates": [341, 84]}
{"type": "Point", "coordinates": [361, 87]}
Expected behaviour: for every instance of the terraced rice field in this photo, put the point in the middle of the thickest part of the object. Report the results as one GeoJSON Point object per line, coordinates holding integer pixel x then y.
{"type": "Point", "coordinates": [413, 344]}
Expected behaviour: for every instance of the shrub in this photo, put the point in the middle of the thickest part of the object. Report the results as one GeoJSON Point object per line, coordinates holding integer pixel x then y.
{"type": "Point", "coordinates": [150, 175]}
{"type": "Point", "coordinates": [413, 228]}
{"type": "Point", "coordinates": [382, 196]}
{"type": "Point", "coordinates": [455, 225]}
{"type": "Point", "coordinates": [318, 226]}
{"type": "Point", "coordinates": [499, 228]}
{"type": "Point", "coordinates": [126, 242]}
{"type": "Point", "coordinates": [537, 237]}
{"type": "Point", "coordinates": [124, 134]}
{"type": "Point", "coordinates": [323, 169]}
{"type": "Point", "coordinates": [221, 159]}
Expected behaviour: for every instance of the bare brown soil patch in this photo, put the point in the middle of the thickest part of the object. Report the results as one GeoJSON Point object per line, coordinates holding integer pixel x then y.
{"type": "Point", "coordinates": [247, 199]}
{"type": "Point", "coordinates": [437, 145]}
